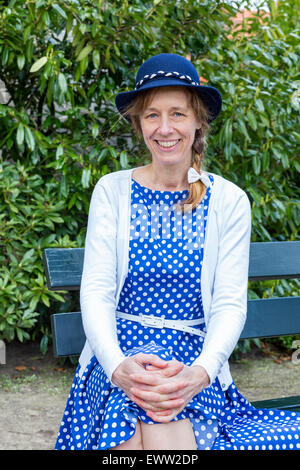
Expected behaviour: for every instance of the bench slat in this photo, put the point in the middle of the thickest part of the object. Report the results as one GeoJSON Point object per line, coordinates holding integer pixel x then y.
{"type": "Point", "coordinates": [63, 268]}
{"type": "Point", "coordinates": [274, 260]}
{"type": "Point", "coordinates": [68, 334]}
{"type": "Point", "coordinates": [272, 317]}
{"type": "Point", "coordinates": [268, 260]}
{"type": "Point", "coordinates": [286, 403]}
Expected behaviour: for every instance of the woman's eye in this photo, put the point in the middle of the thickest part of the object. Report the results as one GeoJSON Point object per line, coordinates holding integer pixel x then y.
{"type": "Point", "coordinates": [151, 115]}
{"type": "Point", "coordinates": [178, 114]}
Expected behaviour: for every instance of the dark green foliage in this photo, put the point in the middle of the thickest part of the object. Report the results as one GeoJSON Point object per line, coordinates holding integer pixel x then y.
{"type": "Point", "coordinates": [62, 62]}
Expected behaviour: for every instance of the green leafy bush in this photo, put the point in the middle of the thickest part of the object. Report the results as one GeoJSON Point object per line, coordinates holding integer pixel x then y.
{"type": "Point", "coordinates": [61, 64]}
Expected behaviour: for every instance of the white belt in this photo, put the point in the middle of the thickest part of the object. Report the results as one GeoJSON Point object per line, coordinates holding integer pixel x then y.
{"type": "Point", "coordinates": [159, 322]}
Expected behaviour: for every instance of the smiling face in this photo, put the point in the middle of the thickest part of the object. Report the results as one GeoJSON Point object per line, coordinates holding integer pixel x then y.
{"type": "Point", "coordinates": [168, 126]}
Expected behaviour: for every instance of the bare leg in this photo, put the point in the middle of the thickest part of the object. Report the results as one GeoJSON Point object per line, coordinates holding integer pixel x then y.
{"type": "Point", "coordinates": [177, 435]}
{"type": "Point", "coordinates": [134, 443]}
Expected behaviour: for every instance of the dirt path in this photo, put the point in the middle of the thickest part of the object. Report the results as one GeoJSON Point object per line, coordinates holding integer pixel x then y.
{"type": "Point", "coordinates": [33, 394]}
{"type": "Point", "coordinates": [34, 390]}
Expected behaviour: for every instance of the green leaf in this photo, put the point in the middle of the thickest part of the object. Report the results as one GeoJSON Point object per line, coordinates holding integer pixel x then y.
{"type": "Point", "coordinates": [59, 151]}
{"type": "Point", "coordinates": [45, 300]}
{"type": "Point", "coordinates": [59, 10]}
{"type": "Point", "coordinates": [96, 58]}
{"type": "Point", "coordinates": [256, 164]}
{"type": "Point", "coordinates": [26, 33]}
{"type": "Point", "coordinates": [72, 201]}
{"type": "Point", "coordinates": [62, 82]}
{"type": "Point", "coordinates": [295, 99]}
{"type": "Point", "coordinates": [56, 296]}
{"type": "Point", "coordinates": [5, 55]}
{"type": "Point", "coordinates": [265, 160]}
{"type": "Point", "coordinates": [95, 130]}
{"type": "Point", "coordinates": [264, 119]}
{"type": "Point", "coordinates": [243, 128]}
{"type": "Point", "coordinates": [259, 104]}
{"type": "Point", "coordinates": [228, 131]}
{"type": "Point", "coordinates": [85, 177]}
{"type": "Point", "coordinates": [123, 159]}
{"type": "Point", "coordinates": [297, 165]}
{"type": "Point", "coordinates": [46, 18]}
{"type": "Point", "coordinates": [252, 119]}
{"type": "Point", "coordinates": [44, 344]}
{"type": "Point", "coordinates": [28, 256]}
{"type": "Point", "coordinates": [20, 134]}
{"type": "Point", "coordinates": [29, 138]}
{"type": "Point", "coordinates": [64, 186]}
{"type": "Point", "coordinates": [20, 334]}
{"type": "Point", "coordinates": [38, 64]}
{"type": "Point", "coordinates": [34, 301]}
{"type": "Point", "coordinates": [84, 52]}
{"type": "Point", "coordinates": [20, 61]}
{"type": "Point", "coordinates": [112, 151]}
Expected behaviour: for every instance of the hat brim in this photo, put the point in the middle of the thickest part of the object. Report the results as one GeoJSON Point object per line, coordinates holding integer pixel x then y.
{"type": "Point", "coordinates": [211, 96]}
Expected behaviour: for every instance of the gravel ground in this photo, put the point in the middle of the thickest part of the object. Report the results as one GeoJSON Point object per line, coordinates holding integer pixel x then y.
{"type": "Point", "coordinates": [34, 390]}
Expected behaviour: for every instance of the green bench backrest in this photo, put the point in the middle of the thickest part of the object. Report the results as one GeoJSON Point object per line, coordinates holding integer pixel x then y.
{"type": "Point", "coordinates": [265, 318]}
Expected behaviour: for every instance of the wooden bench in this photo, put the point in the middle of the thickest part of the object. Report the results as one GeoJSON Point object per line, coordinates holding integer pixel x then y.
{"type": "Point", "coordinates": [269, 317]}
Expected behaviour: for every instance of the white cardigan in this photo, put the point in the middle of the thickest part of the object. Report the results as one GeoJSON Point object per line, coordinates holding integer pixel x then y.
{"type": "Point", "coordinates": [224, 277]}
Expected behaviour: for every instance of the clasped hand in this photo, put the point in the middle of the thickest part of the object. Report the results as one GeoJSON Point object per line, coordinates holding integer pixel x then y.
{"type": "Point", "coordinates": [161, 388]}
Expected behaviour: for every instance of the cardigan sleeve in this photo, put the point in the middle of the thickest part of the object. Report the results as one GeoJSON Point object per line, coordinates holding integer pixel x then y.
{"type": "Point", "coordinates": [98, 284]}
{"type": "Point", "coordinates": [229, 295]}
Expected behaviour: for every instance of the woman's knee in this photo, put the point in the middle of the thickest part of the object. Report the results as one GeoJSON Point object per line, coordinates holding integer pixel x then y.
{"type": "Point", "coordinates": [176, 435]}
{"type": "Point", "coordinates": [134, 443]}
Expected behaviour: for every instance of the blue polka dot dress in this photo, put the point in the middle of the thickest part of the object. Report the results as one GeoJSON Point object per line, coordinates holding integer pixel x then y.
{"type": "Point", "coordinates": [165, 259]}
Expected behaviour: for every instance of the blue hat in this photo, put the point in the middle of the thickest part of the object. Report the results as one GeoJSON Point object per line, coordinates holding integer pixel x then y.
{"type": "Point", "coordinates": [171, 70]}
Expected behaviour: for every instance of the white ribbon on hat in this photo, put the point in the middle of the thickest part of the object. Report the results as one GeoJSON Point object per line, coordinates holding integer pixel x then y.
{"type": "Point", "coordinates": [194, 176]}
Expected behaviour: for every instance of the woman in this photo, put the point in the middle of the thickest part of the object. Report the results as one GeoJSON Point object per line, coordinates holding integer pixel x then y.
{"type": "Point", "coordinates": [164, 289]}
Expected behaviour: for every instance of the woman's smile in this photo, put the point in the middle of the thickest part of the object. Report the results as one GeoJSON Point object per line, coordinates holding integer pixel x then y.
{"type": "Point", "coordinates": [167, 145]}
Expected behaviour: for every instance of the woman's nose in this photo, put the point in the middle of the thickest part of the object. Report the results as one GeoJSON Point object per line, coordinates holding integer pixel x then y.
{"type": "Point", "coordinates": [165, 126]}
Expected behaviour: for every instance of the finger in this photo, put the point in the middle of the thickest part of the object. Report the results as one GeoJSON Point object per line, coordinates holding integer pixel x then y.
{"type": "Point", "coordinates": [158, 417]}
{"type": "Point", "coordinates": [171, 387]}
{"type": "Point", "coordinates": [158, 404]}
{"type": "Point", "coordinates": [147, 378]}
{"type": "Point", "coordinates": [171, 404]}
{"type": "Point", "coordinates": [155, 408]}
{"type": "Point", "coordinates": [144, 387]}
{"type": "Point", "coordinates": [147, 395]}
{"type": "Point", "coordinates": [169, 371]}
{"type": "Point", "coordinates": [160, 392]}
{"type": "Point", "coordinates": [157, 383]}
{"type": "Point", "coordinates": [151, 395]}
{"type": "Point", "coordinates": [152, 368]}
{"type": "Point", "coordinates": [146, 406]}
{"type": "Point", "coordinates": [174, 367]}
{"type": "Point", "coordinates": [162, 412]}
{"type": "Point", "coordinates": [152, 359]}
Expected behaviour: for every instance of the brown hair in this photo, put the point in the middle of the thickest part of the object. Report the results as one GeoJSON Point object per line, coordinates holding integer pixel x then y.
{"type": "Point", "coordinates": [140, 103]}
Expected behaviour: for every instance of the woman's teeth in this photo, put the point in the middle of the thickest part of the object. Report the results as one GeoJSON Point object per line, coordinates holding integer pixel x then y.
{"type": "Point", "coordinates": [170, 143]}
